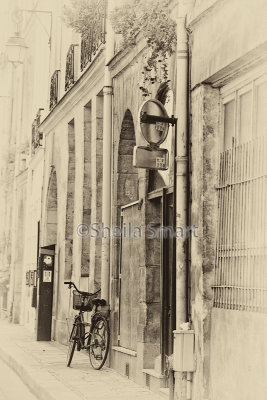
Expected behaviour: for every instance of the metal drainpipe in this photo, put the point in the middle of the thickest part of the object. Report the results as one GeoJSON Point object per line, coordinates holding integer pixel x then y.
{"type": "Point", "coordinates": [182, 163]}
{"type": "Point", "coordinates": [182, 160]}
{"type": "Point", "coordinates": [107, 157]}
{"type": "Point", "coordinates": [189, 375]}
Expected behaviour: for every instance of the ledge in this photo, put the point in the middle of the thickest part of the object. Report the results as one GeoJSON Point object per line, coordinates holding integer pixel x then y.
{"type": "Point", "coordinates": [165, 392]}
{"type": "Point", "coordinates": [125, 351]}
{"type": "Point", "coordinates": [154, 373]}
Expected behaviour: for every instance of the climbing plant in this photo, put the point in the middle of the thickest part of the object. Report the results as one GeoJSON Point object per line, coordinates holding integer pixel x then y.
{"type": "Point", "coordinates": [151, 18]}
{"type": "Point", "coordinates": [80, 15]}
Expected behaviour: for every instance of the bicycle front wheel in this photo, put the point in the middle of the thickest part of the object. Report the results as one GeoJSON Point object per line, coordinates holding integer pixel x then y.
{"type": "Point", "coordinates": [72, 344]}
{"type": "Point", "coordinates": [98, 342]}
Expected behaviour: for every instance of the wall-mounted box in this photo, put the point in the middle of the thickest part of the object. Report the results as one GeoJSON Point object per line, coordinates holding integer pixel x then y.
{"type": "Point", "coordinates": [183, 355]}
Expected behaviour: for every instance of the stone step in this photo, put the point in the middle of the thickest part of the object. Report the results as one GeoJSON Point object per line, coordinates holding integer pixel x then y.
{"type": "Point", "coordinates": [165, 393]}
{"type": "Point", "coordinates": [153, 380]}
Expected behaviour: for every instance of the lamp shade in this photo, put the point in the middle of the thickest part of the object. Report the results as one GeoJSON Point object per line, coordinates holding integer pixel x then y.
{"type": "Point", "coordinates": [16, 48]}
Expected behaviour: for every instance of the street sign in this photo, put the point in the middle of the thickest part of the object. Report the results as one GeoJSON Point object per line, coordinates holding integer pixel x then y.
{"type": "Point", "coordinates": [150, 158]}
{"type": "Point", "coordinates": [154, 132]}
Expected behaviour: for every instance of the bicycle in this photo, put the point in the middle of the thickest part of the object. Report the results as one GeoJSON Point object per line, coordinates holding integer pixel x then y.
{"type": "Point", "coordinates": [96, 340]}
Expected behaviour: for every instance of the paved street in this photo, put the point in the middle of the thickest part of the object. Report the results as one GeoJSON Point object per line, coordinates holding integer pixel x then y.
{"type": "Point", "coordinates": [11, 386]}
{"type": "Point", "coordinates": [42, 366]}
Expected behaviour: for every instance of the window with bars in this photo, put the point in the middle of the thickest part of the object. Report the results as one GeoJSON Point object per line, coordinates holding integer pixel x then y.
{"type": "Point", "coordinates": [241, 249]}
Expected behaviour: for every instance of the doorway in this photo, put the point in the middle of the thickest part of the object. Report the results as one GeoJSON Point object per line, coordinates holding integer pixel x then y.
{"type": "Point", "coordinates": [163, 201]}
{"type": "Point", "coordinates": [45, 292]}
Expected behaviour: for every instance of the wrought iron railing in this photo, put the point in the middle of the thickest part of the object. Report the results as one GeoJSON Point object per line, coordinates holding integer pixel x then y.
{"type": "Point", "coordinates": [95, 35]}
{"type": "Point", "coordinates": [70, 67]}
{"type": "Point", "coordinates": [37, 136]}
{"type": "Point", "coordinates": [54, 89]}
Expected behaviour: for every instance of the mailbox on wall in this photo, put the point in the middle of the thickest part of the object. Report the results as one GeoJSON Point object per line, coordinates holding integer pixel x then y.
{"type": "Point", "coordinates": [183, 357]}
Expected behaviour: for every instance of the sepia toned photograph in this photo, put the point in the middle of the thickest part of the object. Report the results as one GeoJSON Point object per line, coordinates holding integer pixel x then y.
{"type": "Point", "coordinates": [133, 199]}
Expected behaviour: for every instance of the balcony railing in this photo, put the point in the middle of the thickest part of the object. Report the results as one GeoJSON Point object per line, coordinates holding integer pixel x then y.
{"type": "Point", "coordinates": [37, 136]}
{"type": "Point", "coordinates": [70, 75]}
{"type": "Point", "coordinates": [95, 35]}
{"type": "Point", "coordinates": [54, 89]}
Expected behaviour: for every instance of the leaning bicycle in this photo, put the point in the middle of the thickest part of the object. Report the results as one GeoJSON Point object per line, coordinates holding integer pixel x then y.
{"type": "Point", "coordinates": [93, 336]}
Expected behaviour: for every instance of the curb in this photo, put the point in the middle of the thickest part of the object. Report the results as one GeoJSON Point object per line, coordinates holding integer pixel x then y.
{"type": "Point", "coordinates": [36, 378]}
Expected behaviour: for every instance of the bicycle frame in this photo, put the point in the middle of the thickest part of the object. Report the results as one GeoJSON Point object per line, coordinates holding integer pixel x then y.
{"type": "Point", "coordinates": [96, 340]}
{"type": "Point", "coordinates": [79, 321]}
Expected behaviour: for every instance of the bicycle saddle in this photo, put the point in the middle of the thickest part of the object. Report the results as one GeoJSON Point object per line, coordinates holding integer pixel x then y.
{"type": "Point", "coordinates": [99, 302]}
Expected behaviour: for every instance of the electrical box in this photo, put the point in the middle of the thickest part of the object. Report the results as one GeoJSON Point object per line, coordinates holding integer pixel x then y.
{"type": "Point", "coordinates": [183, 355]}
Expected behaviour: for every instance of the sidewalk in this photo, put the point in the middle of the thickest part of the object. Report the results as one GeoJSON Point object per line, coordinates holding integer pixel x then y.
{"type": "Point", "coordinates": [42, 367]}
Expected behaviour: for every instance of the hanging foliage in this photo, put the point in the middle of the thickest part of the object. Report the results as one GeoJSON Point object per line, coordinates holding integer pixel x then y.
{"type": "Point", "coordinates": [151, 18]}
{"type": "Point", "coordinates": [80, 14]}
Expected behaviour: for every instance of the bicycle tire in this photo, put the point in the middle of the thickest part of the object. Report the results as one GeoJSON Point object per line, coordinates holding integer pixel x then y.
{"type": "Point", "coordinates": [98, 342]}
{"type": "Point", "coordinates": [72, 344]}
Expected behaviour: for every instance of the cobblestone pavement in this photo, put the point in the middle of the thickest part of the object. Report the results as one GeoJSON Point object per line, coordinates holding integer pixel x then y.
{"type": "Point", "coordinates": [42, 366]}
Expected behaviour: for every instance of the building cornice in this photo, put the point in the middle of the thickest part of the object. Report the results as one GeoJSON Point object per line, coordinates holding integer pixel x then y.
{"type": "Point", "coordinates": [198, 13]}
{"type": "Point", "coordinates": [256, 58]}
{"type": "Point", "coordinates": [80, 89]}
{"type": "Point", "coordinates": [123, 59]}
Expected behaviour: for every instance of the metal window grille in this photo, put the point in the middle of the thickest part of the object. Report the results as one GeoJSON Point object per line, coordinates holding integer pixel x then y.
{"type": "Point", "coordinates": [37, 136]}
{"type": "Point", "coordinates": [70, 67]}
{"type": "Point", "coordinates": [54, 89]}
{"type": "Point", "coordinates": [241, 250]}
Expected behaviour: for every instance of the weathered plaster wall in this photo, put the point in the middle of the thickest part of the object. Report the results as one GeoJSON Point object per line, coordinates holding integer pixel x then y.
{"type": "Point", "coordinates": [238, 361]}
{"type": "Point", "coordinates": [204, 139]}
{"type": "Point", "coordinates": [224, 33]}
{"type": "Point", "coordinates": [227, 38]}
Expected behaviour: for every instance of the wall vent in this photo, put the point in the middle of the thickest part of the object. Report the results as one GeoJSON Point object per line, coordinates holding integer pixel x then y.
{"type": "Point", "coordinates": [148, 381]}
{"type": "Point", "coordinates": [127, 370]}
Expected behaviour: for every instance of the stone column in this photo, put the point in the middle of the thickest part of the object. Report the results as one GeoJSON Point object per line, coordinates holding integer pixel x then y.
{"type": "Point", "coordinates": [70, 202]}
{"type": "Point", "coordinates": [78, 193]}
{"type": "Point", "coordinates": [96, 185]}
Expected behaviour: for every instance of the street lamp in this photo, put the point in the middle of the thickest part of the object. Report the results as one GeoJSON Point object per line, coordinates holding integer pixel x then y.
{"type": "Point", "coordinates": [16, 48]}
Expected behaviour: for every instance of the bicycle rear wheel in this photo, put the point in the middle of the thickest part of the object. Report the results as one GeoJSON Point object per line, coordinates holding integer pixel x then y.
{"type": "Point", "coordinates": [98, 342]}
{"type": "Point", "coordinates": [72, 344]}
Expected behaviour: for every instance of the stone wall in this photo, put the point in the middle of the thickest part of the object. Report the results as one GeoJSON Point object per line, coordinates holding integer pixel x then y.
{"type": "Point", "coordinates": [127, 75]}
{"type": "Point", "coordinates": [204, 141]}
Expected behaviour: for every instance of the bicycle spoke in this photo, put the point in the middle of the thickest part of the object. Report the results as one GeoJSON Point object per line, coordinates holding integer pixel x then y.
{"type": "Point", "coordinates": [99, 343]}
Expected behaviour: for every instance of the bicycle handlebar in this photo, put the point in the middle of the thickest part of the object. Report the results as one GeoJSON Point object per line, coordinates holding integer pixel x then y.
{"type": "Point", "coordinates": [79, 291]}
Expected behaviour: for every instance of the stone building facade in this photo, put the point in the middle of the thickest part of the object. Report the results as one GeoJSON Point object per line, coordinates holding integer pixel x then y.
{"type": "Point", "coordinates": [81, 172]}
{"type": "Point", "coordinates": [227, 96]}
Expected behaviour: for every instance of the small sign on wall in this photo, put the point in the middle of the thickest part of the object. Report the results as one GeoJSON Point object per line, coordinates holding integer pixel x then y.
{"type": "Point", "coordinates": [32, 278]}
{"type": "Point", "coordinates": [28, 278]}
{"type": "Point", "coordinates": [150, 158]}
{"type": "Point", "coordinates": [47, 275]}
{"type": "Point", "coordinates": [35, 278]}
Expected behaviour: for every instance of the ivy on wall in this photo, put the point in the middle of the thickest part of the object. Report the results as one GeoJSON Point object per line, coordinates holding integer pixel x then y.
{"type": "Point", "coordinates": [151, 18]}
